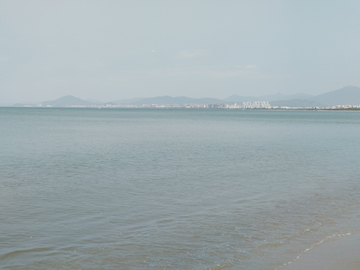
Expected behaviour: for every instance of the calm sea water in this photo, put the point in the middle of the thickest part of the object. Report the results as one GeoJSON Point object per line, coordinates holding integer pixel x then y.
{"type": "Point", "coordinates": [173, 189]}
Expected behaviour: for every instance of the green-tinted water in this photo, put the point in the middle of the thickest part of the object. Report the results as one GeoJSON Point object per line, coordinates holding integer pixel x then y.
{"type": "Point", "coordinates": [173, 189]}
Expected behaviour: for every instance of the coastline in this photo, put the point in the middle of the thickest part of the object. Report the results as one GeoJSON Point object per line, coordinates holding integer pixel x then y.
{"type": "Point", "coordinates": [333, 255]}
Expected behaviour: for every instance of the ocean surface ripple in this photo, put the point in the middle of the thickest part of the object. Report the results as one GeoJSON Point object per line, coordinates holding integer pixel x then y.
{"type": "Point", "coordinates": [173, 189]}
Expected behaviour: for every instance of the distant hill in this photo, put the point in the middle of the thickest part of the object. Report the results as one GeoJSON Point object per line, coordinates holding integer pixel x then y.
{"type": "Point", "coordinates": [348, 95]}
{"type": "Point", "coordinates": [67, 101]}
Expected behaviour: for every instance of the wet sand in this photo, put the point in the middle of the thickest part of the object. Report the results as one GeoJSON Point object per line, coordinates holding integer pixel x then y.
{"type": "Point", "coordinates": [343, 254]}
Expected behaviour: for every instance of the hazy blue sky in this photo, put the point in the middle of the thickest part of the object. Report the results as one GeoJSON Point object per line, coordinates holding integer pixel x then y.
{"type": "Point", "coordinates": [111, 50]}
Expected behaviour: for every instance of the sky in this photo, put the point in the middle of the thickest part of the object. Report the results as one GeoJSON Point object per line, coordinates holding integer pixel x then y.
{"type": "Point", "coordinates": [110, 50]}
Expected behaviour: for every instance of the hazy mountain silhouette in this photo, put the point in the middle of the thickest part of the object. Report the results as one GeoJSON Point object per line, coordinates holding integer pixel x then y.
{"type": "Point", "coordinates": [67, 101]}
{"type": "Point", "coordinates": [349, 95]}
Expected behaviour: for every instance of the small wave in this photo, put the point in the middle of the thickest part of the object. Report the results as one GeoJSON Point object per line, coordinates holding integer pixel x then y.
{"type": "Point", "coordinates": [16, 253]}
{"type": "Point", "coordinates": [337, 236]}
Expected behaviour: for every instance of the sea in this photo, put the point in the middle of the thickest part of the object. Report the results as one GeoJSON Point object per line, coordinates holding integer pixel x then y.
{"type": "Point", "coordinates": [174, 188]}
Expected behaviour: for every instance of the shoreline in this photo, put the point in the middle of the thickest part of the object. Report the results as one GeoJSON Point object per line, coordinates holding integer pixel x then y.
{"type": "Point", "coordinates": [333, 255]}
{"type": "Point", "coordinates": [196, 106]}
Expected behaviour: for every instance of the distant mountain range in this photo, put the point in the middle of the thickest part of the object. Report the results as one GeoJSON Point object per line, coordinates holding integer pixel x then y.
{"type": "Point", "coordinates": [349, 95]}
{"type": "Point", "coordinates": [67, 101]}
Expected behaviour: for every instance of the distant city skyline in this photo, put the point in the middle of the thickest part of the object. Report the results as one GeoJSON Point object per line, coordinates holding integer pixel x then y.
{"type": "Point", "coordinates": [113, 50]}
{"type": "Point", "coordinates": [346, 97]}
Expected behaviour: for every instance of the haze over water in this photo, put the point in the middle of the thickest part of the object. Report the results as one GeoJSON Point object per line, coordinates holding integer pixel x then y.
{"type": "Point", "coordinates": [173, 189]}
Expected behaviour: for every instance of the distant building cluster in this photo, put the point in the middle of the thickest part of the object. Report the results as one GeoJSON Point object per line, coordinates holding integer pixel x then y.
{"type": "Point", "coordinates": [339, 107]}
{"type": "Point", "coordinates": [243, 105]}
{"type": "Point", "coordinates": [230, 106]}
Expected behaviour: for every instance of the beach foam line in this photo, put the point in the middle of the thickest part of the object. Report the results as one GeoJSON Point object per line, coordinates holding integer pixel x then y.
{"type": "Point", "coordinates": [343, 254]}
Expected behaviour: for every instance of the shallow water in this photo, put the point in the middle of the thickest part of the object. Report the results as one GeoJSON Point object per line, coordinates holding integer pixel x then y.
{"type": "Point", "coordinates": [173, 189]}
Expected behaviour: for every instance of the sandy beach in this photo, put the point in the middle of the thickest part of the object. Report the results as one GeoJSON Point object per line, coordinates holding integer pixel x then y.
{"type": "Point", "coordinates": [343, 254]}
